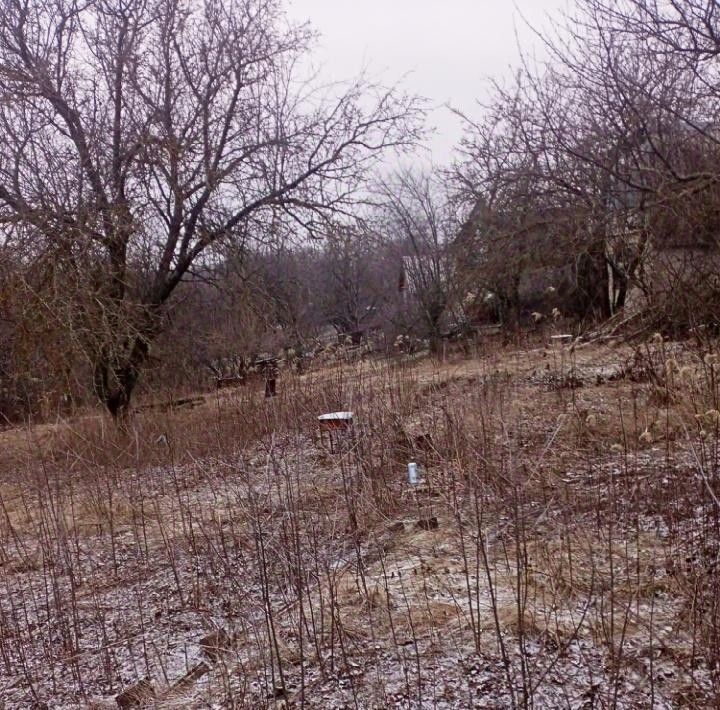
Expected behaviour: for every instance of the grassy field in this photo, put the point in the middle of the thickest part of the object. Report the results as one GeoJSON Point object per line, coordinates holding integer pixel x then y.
{"type": "Point", "coordinates": [560, 551]}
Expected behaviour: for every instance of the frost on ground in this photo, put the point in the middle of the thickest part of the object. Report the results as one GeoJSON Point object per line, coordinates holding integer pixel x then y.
{"type": "Point", "coordinates": [560, 552]}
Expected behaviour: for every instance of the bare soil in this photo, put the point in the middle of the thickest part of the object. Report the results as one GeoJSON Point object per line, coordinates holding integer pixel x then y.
{"type": "Point", "coordinates": [561, 550]}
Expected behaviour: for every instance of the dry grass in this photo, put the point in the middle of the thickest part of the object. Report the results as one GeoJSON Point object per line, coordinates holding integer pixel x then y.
{"type": "Point", "coordinates": [564, 541]}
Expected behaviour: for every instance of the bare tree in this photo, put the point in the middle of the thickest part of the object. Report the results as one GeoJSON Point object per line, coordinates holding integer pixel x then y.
{"type": "Point", "coordinates": [285, 284]}
{"type": "Point", "coordinates": [355, 279]}
{"type": "Point", "coordinates": [578, 160]}
{"type": "Point", "coordinates": [138, 136]}
{"type": "Point", "coordinates": [415, 217]}
{"type": "Point", "coordinates": [528, 210]}
{"type": "Point", "coordinates": [639, 80]}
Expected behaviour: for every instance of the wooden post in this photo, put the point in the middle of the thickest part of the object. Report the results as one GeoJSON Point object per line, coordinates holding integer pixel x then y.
{"type": "Point", "coordinates": [269, 368]}
{"type": "Point", "coordinates": [270, 390]}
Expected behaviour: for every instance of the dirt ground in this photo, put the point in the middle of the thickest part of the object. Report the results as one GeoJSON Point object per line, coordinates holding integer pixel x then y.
{"type": "Point", "coordinates": [560, 551]}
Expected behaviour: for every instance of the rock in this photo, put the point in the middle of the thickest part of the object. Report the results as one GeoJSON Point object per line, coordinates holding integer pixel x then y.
{"type": "Point", "coordinates": [137, 695]}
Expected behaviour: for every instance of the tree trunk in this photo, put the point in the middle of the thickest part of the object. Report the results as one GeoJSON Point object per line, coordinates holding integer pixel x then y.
{"type": "Point", "coordinates": [621, 283]}
{"type": "Point", "coordinates": [593, 287]}
{"type": "Point", "coordinates": [116, 375]}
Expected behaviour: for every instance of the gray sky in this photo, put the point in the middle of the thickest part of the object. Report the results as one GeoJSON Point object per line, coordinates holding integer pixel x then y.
{"type": "Point", "coordinates": [444, 50]}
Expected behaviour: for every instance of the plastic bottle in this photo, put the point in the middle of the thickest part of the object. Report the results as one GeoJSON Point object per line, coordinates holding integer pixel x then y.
{"type": "Point", "coordinates": [413, 477]}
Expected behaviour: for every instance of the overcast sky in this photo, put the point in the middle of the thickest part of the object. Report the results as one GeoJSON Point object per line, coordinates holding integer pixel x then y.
{"type": "Point", "coordinates": [444, 49]}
